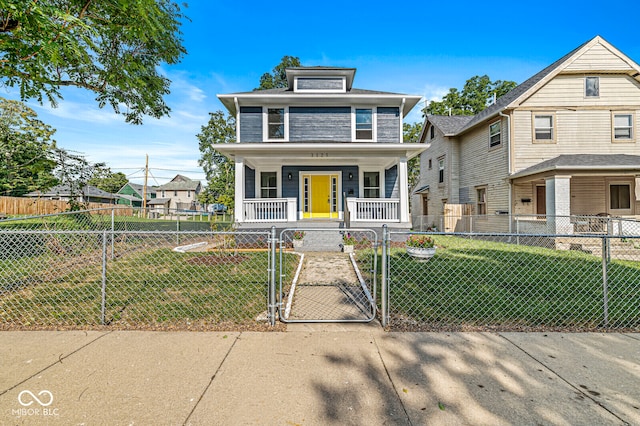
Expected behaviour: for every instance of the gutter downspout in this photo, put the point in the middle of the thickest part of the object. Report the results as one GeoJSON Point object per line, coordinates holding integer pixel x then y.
{"type": "Point", "coordinates": [235, 101]}
{"type": "Point", "coordinates": [508, 117]}
{"type": "Point", "coordinates": [402, 120]}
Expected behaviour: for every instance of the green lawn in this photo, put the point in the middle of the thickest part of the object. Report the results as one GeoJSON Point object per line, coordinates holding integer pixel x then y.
{"type": "Point", "coordinates": [471, 283]}
{"type": "Point", "coordinates": [153, 287]}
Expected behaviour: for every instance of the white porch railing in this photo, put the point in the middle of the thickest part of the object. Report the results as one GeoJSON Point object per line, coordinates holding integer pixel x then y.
{"type": "Point", "coordinates": [374, 209]}
{"type": "Point", "coordinates": [270, 210]}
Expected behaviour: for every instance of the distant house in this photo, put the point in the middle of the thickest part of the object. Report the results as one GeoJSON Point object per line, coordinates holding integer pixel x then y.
{"type": "Point", "coordinates": [131, 194]}
{"type": "Point", "coordinates": [181, 192]}
{"type": "Point", "coordinates": [560, 147]}
{"type": "Point", "coordinates": [89, 194]}
{"type": "Point", "coordinates": [320, 151]}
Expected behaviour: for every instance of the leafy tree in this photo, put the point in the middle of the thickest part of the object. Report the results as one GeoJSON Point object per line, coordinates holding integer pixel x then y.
{"type": "Point", "coordinates": [219, 169]}
{"type": "Point", "coordinates": [25, 150]}
{"type": "Point", "coordinates": [278, 77]}
{"type": "Point", "coordinates": [74, 171]}
{"type": "Point", "coordinates": [475, 96]}
{"type": "Point", "coordinates": [103, 178]}
{"type": "Point", "coordinates": [112, 48]}
{"type": "Point", "coordinates": [411, 133]}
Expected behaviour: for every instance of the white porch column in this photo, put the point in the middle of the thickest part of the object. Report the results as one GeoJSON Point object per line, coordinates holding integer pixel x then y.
{"type": "Point", "coordinates": [239, 195]}
{"type": "Point", "coordinates": [403, 190]}
{"type": "Point", "coordinates": [558, 199]}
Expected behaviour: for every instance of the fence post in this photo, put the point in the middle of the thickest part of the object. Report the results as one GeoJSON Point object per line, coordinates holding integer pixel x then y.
{"type": "Point", "coordinates": [103, 302]}
{"type": "Point", "coordinates": [384, 285]}
{"type": "Point", "coordinates": [177, 228]}
{"type": "Point", "coordinates": [605, 279]}
{"type": "Point", "coordinates": [272, 279]}
{"type": "Point", "coordinates": [113, 228]}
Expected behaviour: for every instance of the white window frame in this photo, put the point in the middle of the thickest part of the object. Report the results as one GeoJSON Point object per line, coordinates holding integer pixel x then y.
{"type": "Point", "coordinates": [632, 117]}
{"type": "Point", "coordinates": [374, 124]}
{"type": "Point", "coordinates": [265, 123]}
{"type": "Point", "coordinates": [630, 184]}
{"type": "Point", "coordinates": [552, 128]}
{"type": "Point", "coordinates": [441, 168]}
{"type": "Point", "coordinates": [498, 133]}
{"type": "Point", "coordinates": [258, 183]}
{"type": "Point", "coordinates": [381, 178]}
{"type": "Point", "coordinates": [342, 90]}
{"type": "Point", "coordinates": [597, 87]}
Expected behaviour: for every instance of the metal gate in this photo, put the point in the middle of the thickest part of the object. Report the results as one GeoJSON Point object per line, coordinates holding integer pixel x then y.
{"type": "Point", "coordinates": [327, 275]}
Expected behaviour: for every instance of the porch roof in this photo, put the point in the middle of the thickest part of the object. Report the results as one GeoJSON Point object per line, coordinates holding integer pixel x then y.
{"type": "Point", "coordinates": [583, 162]}
{"type": "Point", "coordinates": [324, 151]}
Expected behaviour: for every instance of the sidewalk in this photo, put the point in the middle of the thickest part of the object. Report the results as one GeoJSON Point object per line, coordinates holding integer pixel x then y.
{"type": "Point", "coordinates": [319, 374]}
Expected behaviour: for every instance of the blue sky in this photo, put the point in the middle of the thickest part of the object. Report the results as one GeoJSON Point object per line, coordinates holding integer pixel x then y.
{"type": "Point", "coordinates": [414, 47]}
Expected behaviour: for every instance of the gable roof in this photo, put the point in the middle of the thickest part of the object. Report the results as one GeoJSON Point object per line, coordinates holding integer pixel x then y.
{"type": "Point", "coordinates": [524, 90]}
{"type": "Point", "coordinates": [65, 190]}
{"type": "Point", "coordinates": [179, 183]}
{"type": "Point", "coordinates": [589, 162]}
{"type": "Point", "coordinates": [449, 124]}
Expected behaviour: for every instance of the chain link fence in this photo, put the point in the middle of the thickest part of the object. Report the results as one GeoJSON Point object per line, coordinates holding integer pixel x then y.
{"type": "Point", "coordinates": [513, 282]}
{"type": "Point", "coordinates": [131, 279]}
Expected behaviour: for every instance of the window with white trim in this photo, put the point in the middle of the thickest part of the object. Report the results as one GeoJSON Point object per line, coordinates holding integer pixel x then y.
{"type": "Point", "coordinates": [543, 128]}
{"type": "Point", "coordinates": [275, 123]}
{"type": "Point", "coordinates": [620, 196]}
{"type": "Point", "coordinates": [268, 185]}
{"type": "Point", "coordinates": [591, 87]}
{"type": "Point", "coordinates": [441, 170]}
{"type": "Point", "coordinates": [494, 134]}
{"type": "Point", "coordinates": [364, 124]}
{"type": "Point", "coordinates": [371, 184]}
{"type": "Point", "coordinates": [622, 127]}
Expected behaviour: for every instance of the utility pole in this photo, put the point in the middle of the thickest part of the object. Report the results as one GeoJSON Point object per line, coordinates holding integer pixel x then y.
{"type": "Point", "coordinates": [144, 188]}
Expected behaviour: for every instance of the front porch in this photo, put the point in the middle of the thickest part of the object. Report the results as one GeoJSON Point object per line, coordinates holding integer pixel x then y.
{"type": "Point", "coordinates": [359, 211]}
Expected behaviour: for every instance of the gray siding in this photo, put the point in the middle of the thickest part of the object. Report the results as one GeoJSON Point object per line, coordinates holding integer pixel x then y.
{"type": "Point", "coordinates": [250, 124]}
{"type": "Point", "coordinates": [249, 182]}
{"type": "Point", "coordinates": [319, 84]}
{"type": "Point", "coordinates": [391, 182]}
{"type": "Point", "coordinates": [320, 123]}
{"type": "Point", "coordinates": [388, 124]}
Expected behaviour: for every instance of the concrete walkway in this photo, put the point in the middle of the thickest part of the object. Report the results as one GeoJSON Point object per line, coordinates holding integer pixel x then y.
{"type": "Point", "coordinates": [318, 375]}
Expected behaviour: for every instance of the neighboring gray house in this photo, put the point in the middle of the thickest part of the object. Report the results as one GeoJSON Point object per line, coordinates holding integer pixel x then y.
{"type": "Point", "coordinates": [88, 194]}
{"type": "Point", "coordinates": [181, 192]}
{"type": "Point", "coordinates": [320, 150]}
{"type": "Point", "coordinates": [559, 148]}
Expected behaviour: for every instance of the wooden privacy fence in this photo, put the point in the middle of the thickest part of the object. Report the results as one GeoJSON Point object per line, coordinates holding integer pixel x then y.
{"type": "Point", "coordinates": [35, 206]}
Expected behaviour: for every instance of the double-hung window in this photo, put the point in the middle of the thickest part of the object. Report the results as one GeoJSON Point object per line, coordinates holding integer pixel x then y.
{"type": "Point", "coordinates": [481, 202]}
{"type": "Point", "coordinates": [622, 127]}
{"type": "Point", "coordinates": [494, 134]}
{"type": "Point", "coordinates": [592, 87]}
{"type": "Point", "coordinates": [371, 184]}
{"type": "Point", "coordinates": [364, 124]}
{"type": "Point", "coordinates": [268, 185]}
{"type": "Point", "coordinates": [441, 170]}
{"type": "Point", "coordinates": [276, 124]}
{"type": "Point", "coordinates": [543, 128]}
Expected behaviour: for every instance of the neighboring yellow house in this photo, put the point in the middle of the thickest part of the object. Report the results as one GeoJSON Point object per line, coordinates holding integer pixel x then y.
{"type": "Point", "coordinates": [559, 149]}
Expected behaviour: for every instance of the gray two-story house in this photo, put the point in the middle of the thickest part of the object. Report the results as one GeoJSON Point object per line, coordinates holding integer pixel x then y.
{"type": "Point", "coordinates": [320, 150]}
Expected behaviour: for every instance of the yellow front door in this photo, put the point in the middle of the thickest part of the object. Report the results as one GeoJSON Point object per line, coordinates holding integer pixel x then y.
{"type": "Point", "coordinates": [320, 196]}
